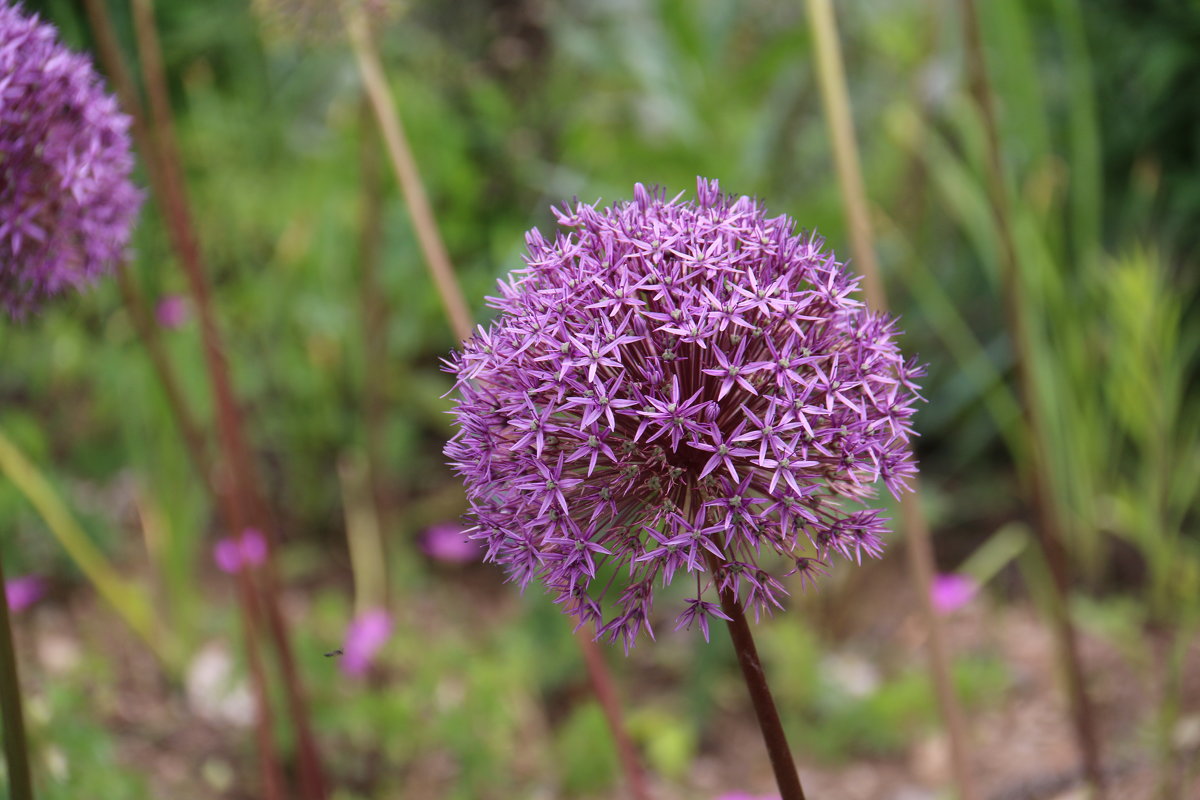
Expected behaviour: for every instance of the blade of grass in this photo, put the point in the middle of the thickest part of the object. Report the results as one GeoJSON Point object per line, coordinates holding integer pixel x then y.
{"type": "Point", "coordinates": [130, 604]}
{"type": "Point", "coordinates": [1087, 181]}
{"type": "Point", "coordinates": [836, 102]}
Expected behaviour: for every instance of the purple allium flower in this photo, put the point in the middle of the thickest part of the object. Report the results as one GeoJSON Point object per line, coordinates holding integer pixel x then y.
{"type": "Point", "coordinates": [678, 387]}
{"type": "Point", "coordinates": [172, 311]}
{"type": "Point", "coordinates": [364, 636]}
{"type": "Point", "coordinates": [448, 541]}
{"type": "Point", "coordinates": [22, 592]}
{"type": "Point", "coordinates": [66, 202]}
{"type": "Point", "coordinates": [951, 592]}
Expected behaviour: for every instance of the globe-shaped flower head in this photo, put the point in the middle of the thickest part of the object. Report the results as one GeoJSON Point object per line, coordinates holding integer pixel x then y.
{"type": "Point", "coordinates": [678, 390]}
{"type": "Point", "coordinates": [66, 202]}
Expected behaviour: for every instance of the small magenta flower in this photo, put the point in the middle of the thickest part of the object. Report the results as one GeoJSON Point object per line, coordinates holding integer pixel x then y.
{"type": "Point", "coordinates": [677, 388]}
{"type": "Point", "coordinates": [234, 554]}
{"type": "Point", "coordinates": [172, 311]}
{"type": "Point", "coordinates": [449, 542]}
{"type": "Point", "coordinates": [365, 635]}
{"type": "Point", "coordinates": [66, 202]}
{"type": "Point", "coordinates": [24, 591]}
{"type": "Point", "coordinates": [952, 591]}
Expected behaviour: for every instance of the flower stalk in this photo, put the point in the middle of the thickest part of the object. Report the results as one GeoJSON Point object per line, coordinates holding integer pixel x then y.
{"type": "Point", "coordinates": [16, 747]}
{"type": "Point", "coordinates": [1046, 509]}
{"type": "Point", "coordinates": [765, 711]}
{"type": "Point", "coordinates": [237, 490]}
{"type": "Point", "coordinates": [921, 560]}
{"type": "Point", "coordinates": [458, 313]}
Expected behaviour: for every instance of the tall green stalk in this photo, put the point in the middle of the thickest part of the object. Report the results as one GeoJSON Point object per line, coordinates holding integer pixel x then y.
{"type": "Point", "coordinates": [16, 747]}
{"type": "Point", "coordinates": [921, 563]}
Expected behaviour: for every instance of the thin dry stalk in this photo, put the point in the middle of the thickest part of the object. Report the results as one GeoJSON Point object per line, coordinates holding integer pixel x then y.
{"type": "Point", "coordinates": [374, 316]}
{"type": "Point", "coordinates": [921, 562]}
{"type": "Point", "coordinates": [438, 261]}
{"type": "Point", "coordinates": [1049, 516]}
{"type": "Point", "coordinates": [408, 175]}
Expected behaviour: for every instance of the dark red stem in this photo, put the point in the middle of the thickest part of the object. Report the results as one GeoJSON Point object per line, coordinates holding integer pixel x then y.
{"type": "Point", "coordinates": [769, 723]}
{"type": "Point", "coordinates": [606, 696]}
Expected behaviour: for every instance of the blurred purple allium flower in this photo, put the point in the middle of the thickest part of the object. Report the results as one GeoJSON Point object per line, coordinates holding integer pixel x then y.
{"type": "Point", "coordinates": [449, 542]}
{"type": "Point", "coordinates": [172, 311]}
{"type": "Point", "coordinates": [953, 591]}
{"type": "Point", "coordinates": [365, 635]}
{"type": "Point", "coordinates": [66, 202]}
{"type": "Point", "coordinates": [678, 387]}
{"type": "Point", "coordinates": [23, 592]}
{"type": "Point", "coordinates": [235, 553]}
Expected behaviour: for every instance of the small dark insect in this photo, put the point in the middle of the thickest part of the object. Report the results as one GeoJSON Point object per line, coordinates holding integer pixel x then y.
{"type": "Point", "coordinates": [337, 652]}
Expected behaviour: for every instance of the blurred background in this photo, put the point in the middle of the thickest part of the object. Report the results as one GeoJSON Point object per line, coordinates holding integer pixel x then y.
{"type": "Point", "coordinates": [333, 335]}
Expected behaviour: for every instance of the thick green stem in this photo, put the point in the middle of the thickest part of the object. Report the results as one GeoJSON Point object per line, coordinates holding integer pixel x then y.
{"type": "Point", "coordinates": [16, 748]}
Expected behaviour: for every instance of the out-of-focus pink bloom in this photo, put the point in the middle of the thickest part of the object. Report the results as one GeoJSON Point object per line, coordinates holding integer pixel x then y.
{"type": "Point", "coordinates": [365, 635]}
{"type": "Point", "coordinates": [247, 550]}
{"type": "Point", "coordinates": [448, 542]}
{"type": "Point", "coordinates": [24, 591]}
{"type": "Point", "coordinates": [744, 796]}
{"type": "Point", "coordinates": [952, 591]}
{"type": "Point", "coordinates": [172, 311]}
{"type": "Point", "coordinates": [254, 547]}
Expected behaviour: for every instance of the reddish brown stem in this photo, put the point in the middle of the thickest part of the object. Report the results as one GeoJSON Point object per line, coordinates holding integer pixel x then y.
{"type": "Point", "coordinates": [606, 696]}
{"type": "Point", "coordinates": [236, 485]}
{"type": "Point", "coordinates": [1048, 514]}
{"type": "Point", "coordinates": [782, 764]}
{"type": "Point", "coordinates": [273, 784]}
{"type": "Point", "coordinates": [239, 479]}
{"type": "Point", "coordinates": [143, 323]}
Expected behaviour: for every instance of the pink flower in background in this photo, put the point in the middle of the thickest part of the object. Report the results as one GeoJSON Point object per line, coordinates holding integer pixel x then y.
{"type": "Point", "coordinates": [172, 311]}
{"type": "Point", "coordinates": [248, 550]}
{"type": "Point", "coordinates": [254, 547]}
{"type": "Point", "coordinates": [447, 541]}
{"type": "Point", "coordinates": [367, 633]}
{"type": "Point", "coordinates": [24, 591]}
{"type": "Point", "coordinates": [952, 591]}
{"type": "Point", "coordinates": [744, 796]}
